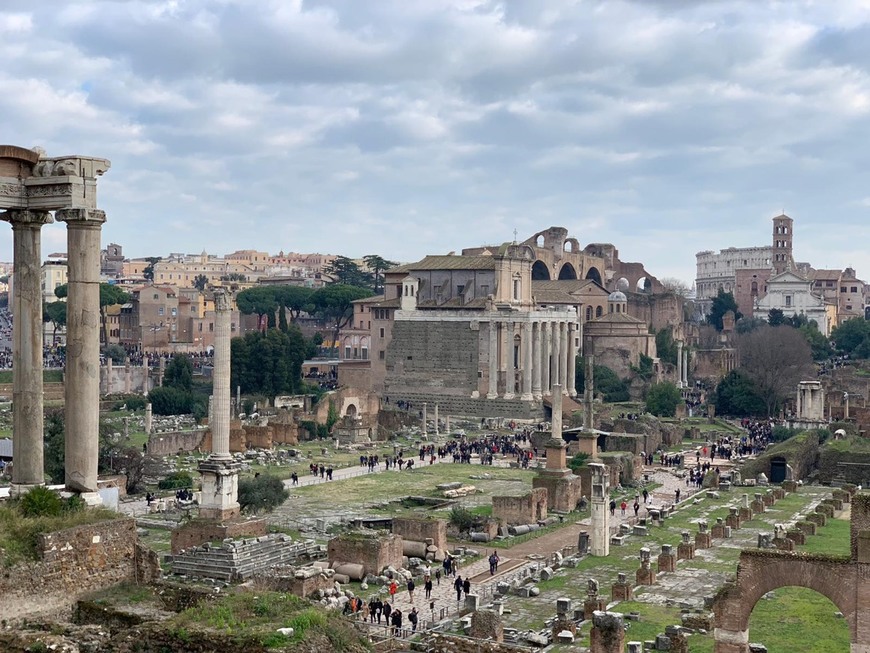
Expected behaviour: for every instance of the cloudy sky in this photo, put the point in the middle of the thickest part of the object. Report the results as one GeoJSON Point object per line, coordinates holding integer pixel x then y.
{"type": "Point", "coordinates": [407, 127]}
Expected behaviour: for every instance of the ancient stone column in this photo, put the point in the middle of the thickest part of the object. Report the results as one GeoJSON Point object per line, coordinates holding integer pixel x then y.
{"type": "Point", "coordinates": [536, 360]}
{"type": "Point", "coordinates": [82, 375]}
{"type": "Point", "coordinates": [108, 389]}
{"type": "Point", "coordinates": [493, 360]}
{"type": "Point", "coordinates": [527, 361]}
{"type": "Point", "coordinates": [27, 422]}
{"type": "Point", "coordinates": [563, 361]}
{"type": "Point", "coordinates": [556, 422]}
{"type": "Point", "coordinates": [220, 473]}
{"type": "Point", "coordinates": [589, 392]}
{"type": "Point", "coordinates": [508, 359]}
{"type": "Point", "coordinates": [572, 361]}
{"type": "Point", "coordinates": [128, 381]}
{"type": "Point", "coordinates": [545, 359]}
{"type": "Point", "coordinates": [221, 395]}
{"type": "Point", "coordinates": [555, 361]}
{"type": "Point", "coordinates": [436, 420]}
{"type": "Point", "coordinates": [600, 545]}
{"type": "Point", "coordinates": [425, 419]}
{"type": "Point", "coordinates": [148, 418]}
{"type": "Point", "coordinates": [679, 363]}
{"type": "Point", "coordinates": [686, 368]}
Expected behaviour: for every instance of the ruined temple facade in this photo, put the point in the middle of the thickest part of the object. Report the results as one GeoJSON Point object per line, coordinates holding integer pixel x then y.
{"type": "Point", "coordinates": [488, 332]}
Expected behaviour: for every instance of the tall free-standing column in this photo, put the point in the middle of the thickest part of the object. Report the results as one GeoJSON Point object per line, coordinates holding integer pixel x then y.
{"type": "Point", "coordinates": [685, 368]}
{"type": "Point", "coordinates": [82, 374]}
{"type": "Point", "coordinates": [572, 361]}
{"type": "Point", "coordinates": [536, 360]}
{"type": "Point", "coordinates": [527, 361]}
{"type": "Point", "coordinates": [545, 358]}
{"type": "Point", "coordinates": [679, 363]}
{"type": "Point", "coordinates": [493, 360]}
{"type": "Point", "coordinates": [221, 393]}
{"type": "Point", "coordinates": [27, 422]}
{"type": "Point", "coordinates": [220, 473]}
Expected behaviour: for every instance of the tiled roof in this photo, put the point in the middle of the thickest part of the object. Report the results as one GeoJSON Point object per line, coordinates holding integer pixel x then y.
{"type": "Point", "coordinates": [448, 263]}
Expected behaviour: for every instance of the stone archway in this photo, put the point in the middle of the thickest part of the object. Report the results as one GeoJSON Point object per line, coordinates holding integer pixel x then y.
{"type": "Point", "coordinates": [567, 272]}
{"type": "Point", "coordinates": [351, 411]}
{"type": "Point", "coordinates": [594, 275]}
{"type": "Point", "coordinates": [540, 271]}
{"type": "Point", "coordinates": [763, 570]}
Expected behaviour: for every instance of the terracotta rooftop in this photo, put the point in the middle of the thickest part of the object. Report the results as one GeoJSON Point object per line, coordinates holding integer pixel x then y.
{"type": "Point", "coordinates": [448, 263]}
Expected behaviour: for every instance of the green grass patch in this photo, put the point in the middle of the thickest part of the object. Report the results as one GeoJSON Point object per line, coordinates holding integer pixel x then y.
{"type": "Point", "coordinates": [833, 538]}
{"type": "Point", "coordinates": [48, 376]}
{"type": "Point", "coordinates": [798, 619]}
{"type": "Point", "coordinates": [254, 617]}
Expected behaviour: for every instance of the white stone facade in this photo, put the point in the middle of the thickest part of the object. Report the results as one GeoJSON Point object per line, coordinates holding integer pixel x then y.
{"type": "Point", "coordinates": [793, 295]}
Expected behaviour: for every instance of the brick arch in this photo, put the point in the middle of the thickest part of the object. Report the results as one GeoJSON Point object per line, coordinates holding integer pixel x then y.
{"type": "Point", "coordinates": [762, 571]}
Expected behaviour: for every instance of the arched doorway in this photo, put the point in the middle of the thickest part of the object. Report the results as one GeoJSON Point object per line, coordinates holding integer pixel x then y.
{"type": "Point", "coordinates": [594, 275]}
{"type": "Point", "coordinates": [761, 571]}
{"type": "Point", "coordinates": [540, 271]}
{"type": "Point", "coordinates": [351, 411]}
{"type": "Point", "coordinates": [778, 469]}
{"type": "Point", "coordinates": [567, 272]}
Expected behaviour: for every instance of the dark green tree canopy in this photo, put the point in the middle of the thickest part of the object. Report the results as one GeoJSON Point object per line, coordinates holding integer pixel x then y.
{"type": "Point", "coordinates": [378, 265]}
{"type": "Point", "coordinates": [334, 305]}
{"type": "Point", "coordinates": [179, 373]}
{"type": "Point", "coordinates": [346, 272]}
{"type": "Point", "coordinates": [852, 337]}
{"type": "Point", "coordinates": [722, 303]}
{"type": "Point", "coordinates": [260, 300]}
{"type": "Point", "coordinates": [295, 299]}
{"type": "Point", "coordinates": [737, 396]}
{"type": "Point", "coordinates": [200, 281]}
{"type": "Point", "coordinates": [662, 399]}
{"type": "Point", "coordinates": [269, 363]}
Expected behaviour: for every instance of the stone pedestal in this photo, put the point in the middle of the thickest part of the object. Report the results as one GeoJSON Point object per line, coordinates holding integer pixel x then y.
{"type": "Point", "coordinates": [718, 530]}
{"type": "Point", "coordinates": [790, 486]}
{"type": "Point", "coordinates": [733, 518]}
{"type": "Point", "coordinates": [806, 527]}
{"type": "Point", "coordinates": [621, 590]}
{"type": "Point", "coordinates": [768, 499]}
{"type": "Point", "coordinates": [703, 539]}
{"type": "Point", "coordinates": [592, 605]}
{"type": "Point", "coordinates": [745, 514]}
{"type": "Point", "coordinates": [645, 575]}
{"type": "Point", "coordinates": [607, 634]}
{"type": "Point", "coordinates": [667, 560]}
{"type": "Point", "coordinates": [487, 624]}
{"type": "Point", "coordinates": [797, 536]}
{"type": "Point", "coordinates": [220, 489]}
{"type": "Point", "coordinates": [757, 506]}
{"type": "Point", "coordinates": [686, 548]}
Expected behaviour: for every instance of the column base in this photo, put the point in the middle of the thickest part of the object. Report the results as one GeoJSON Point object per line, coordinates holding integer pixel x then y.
{"type": "Point", "coordinates": [220, 490]}
{"type": "Point", "coordinates": [92, 499]}
{"type": "Point", "coordinates": [491, 395]}
{"type": "Point", "coordinates": [572, 393]}
{"type": "Point", "coordinates": [509, 395]}
{"type": "Point", "coordinates": [17, 489]}
{"type": "Point", "coordinates": [526, 397]}
{"type": "Point", "coordinates": [537, 395]}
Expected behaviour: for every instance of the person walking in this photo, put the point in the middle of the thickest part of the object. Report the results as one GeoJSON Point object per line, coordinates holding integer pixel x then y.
{"type": "Point", "coordinates": [394, 587]}
{"type": "Point", "coordinates": [493, 563]}
{"type": "Point", "coordinates": [466, 586]}
{"type": "Point", "coordinates": [412, 617]}
{"type": "Point", "coordinates": [645, 496]}
{"type": "Point", "coordinates": [428, 587]}
{"type": "Point", "coordinates": [457, 585]}
{"type": "Point", "coordinates": [438, 577]}
{"type": "Point", "coordinates": [623, 506]}
{"type": "Point", "coordinates": [411, 587]}
{"type": "Point", "coordinates": [613, 507]}
{"type": "Point", "coordinates": [636, 507]}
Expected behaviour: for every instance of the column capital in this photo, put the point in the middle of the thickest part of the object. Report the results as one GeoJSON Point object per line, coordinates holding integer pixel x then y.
{"type": "Point", "coordinates": [81, 217]}
{"type": "Point", "coordinates": [26, 217]}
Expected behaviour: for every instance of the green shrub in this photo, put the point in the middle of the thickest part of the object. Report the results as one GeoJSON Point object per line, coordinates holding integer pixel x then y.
{"type": "Point", "coordinates": [462, 518]}
{"type": "Point", "coordinates": [578, 461]}
{"type": "Point", "coordinates": [40, 502]}
{"type": "Point", "coordinates": [662, 399]}
{"type": "Point", "coordinates": [262, 493]}
{"type": "Point", "coordinates": [171, 401]}
{"type": "Point", "coordinates": [783, 433]}
{"type": "Point", "coordinates": [129, 402]}
{"type": "Point", "coordinates": [176, 481]}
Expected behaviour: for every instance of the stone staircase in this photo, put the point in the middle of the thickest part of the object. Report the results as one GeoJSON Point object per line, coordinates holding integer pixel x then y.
{"type": "Point", "coordinates": [238, 560]}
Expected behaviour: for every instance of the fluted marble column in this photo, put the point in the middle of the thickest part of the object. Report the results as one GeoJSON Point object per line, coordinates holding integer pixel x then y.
{"type": "Point", "coordinates": [526, 345]}
{"type": "Point", "coordinates": [27, 406]}
{"type": "Point", "coordinates": [536, 360]}
{"type": "Point", "coordinates": [82, 375]}
{"type": "Point", "coordinates": [556, 360]}
{"type": "Point", "coordinates": [572, 360]}
{"type": "Point", "coordinates": [493, 360]}
{"type": "Point", "coordinates": [546, 331]}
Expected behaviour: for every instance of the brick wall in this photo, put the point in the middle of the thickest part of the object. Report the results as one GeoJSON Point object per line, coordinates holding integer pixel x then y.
{"type": "Point", "coordinates": [198, 532]}
{"type": "Point", "coordinates": [72, 563]}
{"type": "Point", "coordinates": [372, 551]}
{"type": "Point", "coordinates": [419, 530]}
{"type": "Point", "coordinates": [526, 509]}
